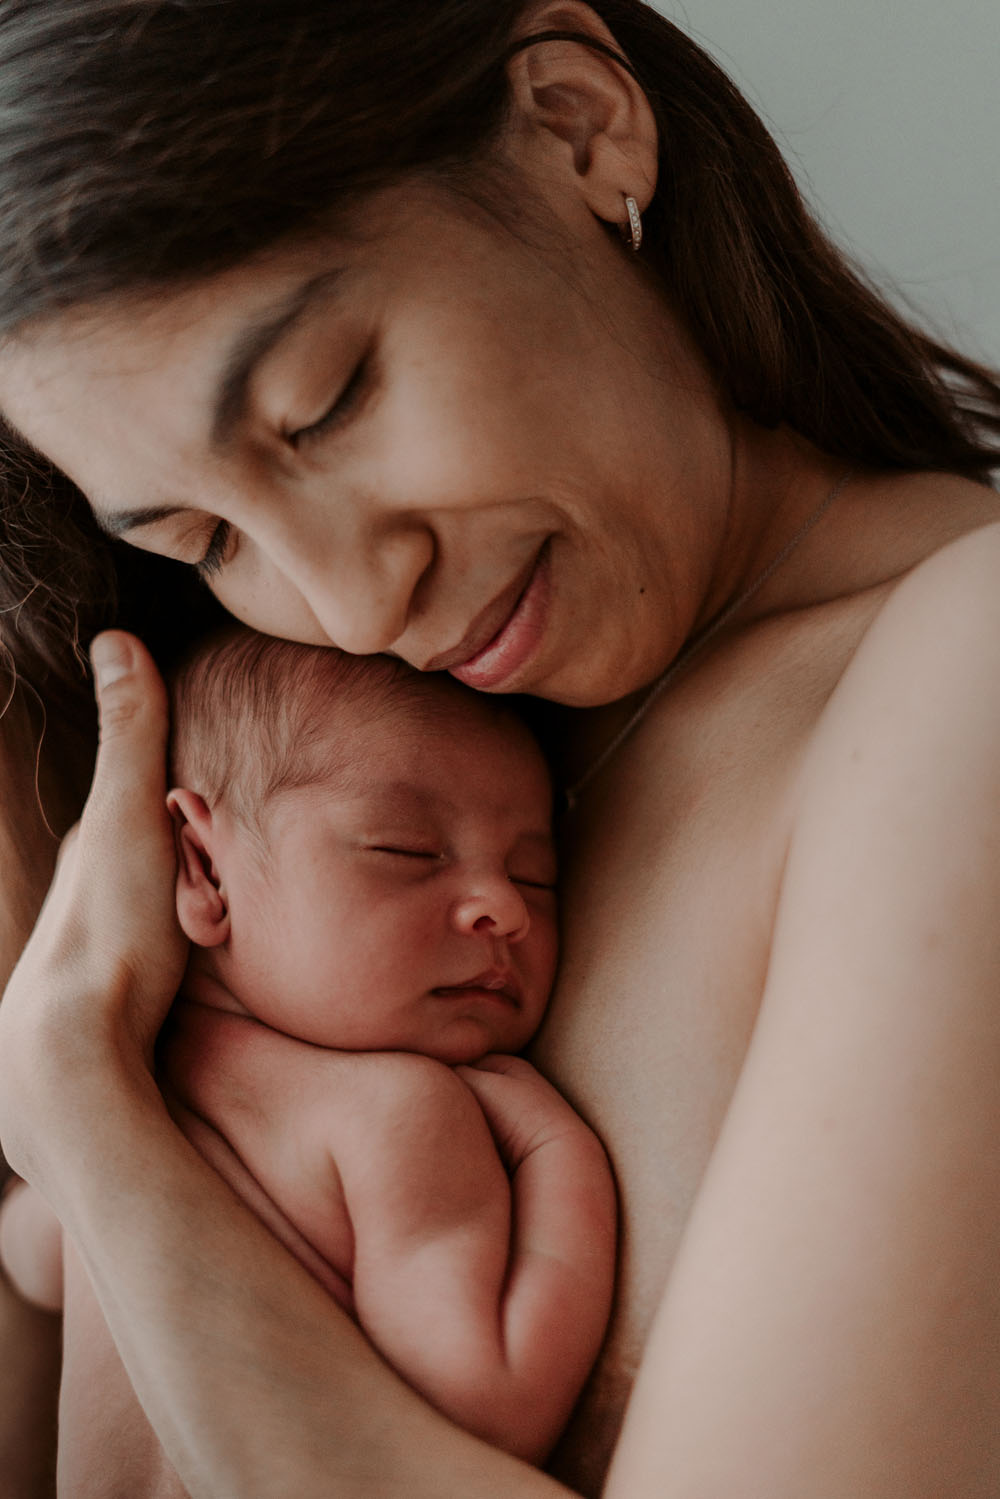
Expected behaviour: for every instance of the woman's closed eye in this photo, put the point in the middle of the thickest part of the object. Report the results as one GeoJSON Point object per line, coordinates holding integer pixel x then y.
{"type": "Point", "coordinates": [215, 553]}
{"type": "Point", "coordinates": [346, 403]}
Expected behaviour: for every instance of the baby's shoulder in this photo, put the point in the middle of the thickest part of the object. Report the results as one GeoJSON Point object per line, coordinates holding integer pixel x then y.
{"type": "Point", "coordinates": [383, 1092]}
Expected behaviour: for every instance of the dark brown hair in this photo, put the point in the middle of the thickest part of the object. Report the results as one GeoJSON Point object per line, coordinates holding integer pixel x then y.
{"type": "Point", "coordinates": [143, 142]}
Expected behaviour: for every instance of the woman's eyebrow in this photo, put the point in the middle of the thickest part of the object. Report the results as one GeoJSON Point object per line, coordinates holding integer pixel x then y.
{"type": "Point", "coordinates": [119, 522]}
{"type": "Point", "coordinates": [252, 345]}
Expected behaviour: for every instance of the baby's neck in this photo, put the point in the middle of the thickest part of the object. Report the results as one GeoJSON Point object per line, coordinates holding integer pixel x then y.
{"type": "Point", "coordinates": [202, 985]}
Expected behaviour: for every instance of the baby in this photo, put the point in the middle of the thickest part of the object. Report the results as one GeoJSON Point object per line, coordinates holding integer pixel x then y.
{"type": "Point", "coordinates": [365, 864]}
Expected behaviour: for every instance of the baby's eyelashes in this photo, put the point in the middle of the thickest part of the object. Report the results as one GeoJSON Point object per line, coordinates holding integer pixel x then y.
{"type": "Point", "coordinates": [405, 853]}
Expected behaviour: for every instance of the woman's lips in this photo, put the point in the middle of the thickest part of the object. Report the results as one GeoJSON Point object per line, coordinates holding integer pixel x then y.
{"type": "Point", "coordinates": [516, 638]}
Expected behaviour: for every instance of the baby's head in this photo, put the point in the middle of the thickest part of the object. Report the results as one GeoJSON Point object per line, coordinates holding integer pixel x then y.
{"type": "Point", "coordinates": [365, 852]}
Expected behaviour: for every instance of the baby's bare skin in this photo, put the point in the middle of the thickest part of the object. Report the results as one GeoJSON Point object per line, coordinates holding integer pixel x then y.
{"type": "Point", "coordinates": [488, 1294]}
{"type": "Point", "coordinates": [378, 939]}
{"type": "Point", "coordinates": [380, 1173]}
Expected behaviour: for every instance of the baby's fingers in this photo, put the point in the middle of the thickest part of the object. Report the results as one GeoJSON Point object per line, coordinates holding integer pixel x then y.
{"type": "Point", "coordinates": [523, 1111]}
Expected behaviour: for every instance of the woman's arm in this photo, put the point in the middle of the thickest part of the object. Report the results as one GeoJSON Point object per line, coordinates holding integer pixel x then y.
{"type": "Point", "coordinates": [256, 1383]}
{"type": "Point", "coordinates": [832, 1326]}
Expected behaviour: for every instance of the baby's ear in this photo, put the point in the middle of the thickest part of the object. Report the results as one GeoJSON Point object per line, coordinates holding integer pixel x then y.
{"type": "Point", "coordinates": [202, 909]}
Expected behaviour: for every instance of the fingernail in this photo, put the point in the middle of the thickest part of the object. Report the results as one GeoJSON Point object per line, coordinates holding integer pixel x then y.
{"type": "Point", "coordinates": [112, 658]}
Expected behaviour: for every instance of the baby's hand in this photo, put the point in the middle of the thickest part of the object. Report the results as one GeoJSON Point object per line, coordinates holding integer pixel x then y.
{"type": "Point", "coordinates": [525, 1113]}
{"type": "Point", "coordinates": [559, 1284]}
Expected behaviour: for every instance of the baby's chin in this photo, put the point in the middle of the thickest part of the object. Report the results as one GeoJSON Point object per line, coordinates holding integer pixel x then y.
{"type": "Point", "coordinates": [468, 1039]}
{"type": "Point", "coordinates": [454, 1040]}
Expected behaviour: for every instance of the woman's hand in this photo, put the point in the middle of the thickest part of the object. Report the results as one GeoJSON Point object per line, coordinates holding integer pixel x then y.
{"type": "Point", "coordinates": [107, 955]}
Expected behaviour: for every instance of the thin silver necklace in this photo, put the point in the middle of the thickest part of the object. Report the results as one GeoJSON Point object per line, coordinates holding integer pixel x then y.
{"type": "Point", "coordinates": [571, 794]}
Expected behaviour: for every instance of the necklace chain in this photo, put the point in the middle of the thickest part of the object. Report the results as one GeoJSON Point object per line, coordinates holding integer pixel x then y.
{"type": "Point", "coordinates": [572, 793]}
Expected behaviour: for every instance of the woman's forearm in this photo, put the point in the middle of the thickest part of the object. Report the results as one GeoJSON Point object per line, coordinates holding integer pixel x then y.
{"type": "Point", "coordinates": [256, 1382]}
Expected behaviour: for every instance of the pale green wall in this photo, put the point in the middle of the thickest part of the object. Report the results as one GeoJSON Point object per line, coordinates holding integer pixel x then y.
{"type": "Point", "coordinates": [889, 110]}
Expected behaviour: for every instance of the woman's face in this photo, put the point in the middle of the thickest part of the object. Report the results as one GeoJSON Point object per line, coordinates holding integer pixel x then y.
{"type": "Point", "coordinates": [476, 449]}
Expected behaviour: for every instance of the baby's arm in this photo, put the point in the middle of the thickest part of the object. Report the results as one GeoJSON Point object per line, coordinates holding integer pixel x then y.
{"type": "Point", "coordinates": [31, 1248]}
{"type": "Point", "coordinates": [490, 1300]}
{"type": "Point", "coordinates": [490, 1296]}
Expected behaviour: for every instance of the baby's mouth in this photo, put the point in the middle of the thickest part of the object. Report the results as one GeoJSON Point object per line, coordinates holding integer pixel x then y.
{"type": "Point", "coordinates": [498, 982]}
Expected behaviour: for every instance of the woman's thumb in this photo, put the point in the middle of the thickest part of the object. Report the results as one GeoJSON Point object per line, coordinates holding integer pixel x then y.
{"type": "Point", "coordinates": [132, 706]}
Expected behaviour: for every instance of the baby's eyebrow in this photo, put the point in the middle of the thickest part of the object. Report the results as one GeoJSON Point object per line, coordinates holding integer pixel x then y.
{"type": "Point", "coordinates": [400, 795]}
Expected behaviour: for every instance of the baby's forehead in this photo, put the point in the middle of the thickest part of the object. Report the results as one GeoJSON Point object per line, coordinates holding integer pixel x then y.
{"type": "Point", "coordinates": [427, 751]}
{"type": "Point", "coordinates": [424, 714]}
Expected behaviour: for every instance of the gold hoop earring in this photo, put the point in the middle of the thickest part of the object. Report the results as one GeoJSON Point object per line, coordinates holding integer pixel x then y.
{"type": "Point", "coordinates": [632, 228]}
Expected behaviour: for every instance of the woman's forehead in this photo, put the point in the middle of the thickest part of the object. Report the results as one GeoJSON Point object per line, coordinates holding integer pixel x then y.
{"type": "Point", "coordinates": [74, 385]}
{"type": "Point", "coordinates": [223, 321]}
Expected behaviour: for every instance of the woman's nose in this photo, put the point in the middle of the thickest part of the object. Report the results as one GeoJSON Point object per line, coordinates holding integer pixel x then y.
{"type": "Point", "coordinates": [358, 590]}
{"type": "Point", "coordinates": [363, 600]}
{"type": "Point", "coordinates": [494, 908]}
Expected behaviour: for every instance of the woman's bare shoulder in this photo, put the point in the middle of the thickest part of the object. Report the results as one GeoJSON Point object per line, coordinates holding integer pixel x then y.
{"type": "Point", "coordinates": [897, 824]}
{"type": "Point", "coordinates": [931, 651]}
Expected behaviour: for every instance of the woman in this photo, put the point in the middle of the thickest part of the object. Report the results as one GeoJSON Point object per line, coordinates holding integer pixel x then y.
{"type": "Point", "coordinates": [342, 316]}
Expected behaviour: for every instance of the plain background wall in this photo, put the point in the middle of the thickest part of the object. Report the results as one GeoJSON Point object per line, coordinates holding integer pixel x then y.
{"type": "Point", "coordinates": [889, 113]}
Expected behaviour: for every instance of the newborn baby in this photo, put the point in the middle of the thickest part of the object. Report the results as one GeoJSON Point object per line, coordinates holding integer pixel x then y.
{"type": "Point", "coordinates": [365, 864]}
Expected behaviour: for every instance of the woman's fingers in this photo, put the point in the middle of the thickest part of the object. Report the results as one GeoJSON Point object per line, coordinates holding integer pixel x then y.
{"type": "Point", "coordinates": [123, 860]}
{"type": "Point", "coordinates": [132, 703]}
{"type": "Point", "coordinates": [107, 954]}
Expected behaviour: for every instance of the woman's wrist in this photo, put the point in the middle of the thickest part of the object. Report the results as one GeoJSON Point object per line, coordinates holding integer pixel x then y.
{"type": "Point", "coordinates": [73, 1083]}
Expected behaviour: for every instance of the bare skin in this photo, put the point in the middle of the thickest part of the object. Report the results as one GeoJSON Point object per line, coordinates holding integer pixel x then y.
{"type": "Point", "coordinates": [28, 1389]}
{"type": "Point", "coordinates": [744, 754]}
{"type": "Point", "coordinates": [778, 1002]}
{"type": "Point", "coordinates": [641, 1076]}
{"type": "Point", "coordinates": [29, 1338]}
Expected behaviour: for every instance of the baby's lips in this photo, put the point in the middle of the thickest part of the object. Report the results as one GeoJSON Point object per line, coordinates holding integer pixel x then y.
{"type": "Point", "coordinates": [497, 980]}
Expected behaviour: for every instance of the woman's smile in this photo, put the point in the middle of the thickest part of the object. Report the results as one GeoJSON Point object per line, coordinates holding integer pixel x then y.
{"type": "Point", "coordinates": [492, 653]}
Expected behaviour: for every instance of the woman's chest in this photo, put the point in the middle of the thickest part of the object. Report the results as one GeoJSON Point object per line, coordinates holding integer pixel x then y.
{"type": "Point", "coordinates": [663, 968]}
{"type": "Point", "coordinates": [673, 881]}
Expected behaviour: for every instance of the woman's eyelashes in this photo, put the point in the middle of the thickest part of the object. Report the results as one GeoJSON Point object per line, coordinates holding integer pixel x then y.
{"type": "Point", "coordinates": [215, 552]}
{"type": "Point", "coordinates": [346, 402]}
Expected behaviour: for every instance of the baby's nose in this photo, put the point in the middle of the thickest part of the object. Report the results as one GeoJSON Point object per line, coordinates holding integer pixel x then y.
{"type": "Point", "coordinates": [496, 909]}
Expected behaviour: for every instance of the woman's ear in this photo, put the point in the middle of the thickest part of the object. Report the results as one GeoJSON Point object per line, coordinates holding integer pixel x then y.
{"type": "Point", "coordinates": [202, 909]}
{"type": "Point", "coordinates": [588, 106]}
